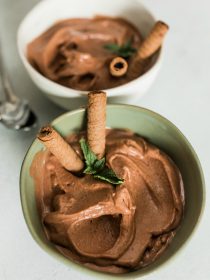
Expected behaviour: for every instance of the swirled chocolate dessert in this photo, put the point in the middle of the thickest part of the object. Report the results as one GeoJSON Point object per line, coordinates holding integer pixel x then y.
{"type": "Point", "coordinates": [113, 203]}
{"type": "Point", "coordinates": [91, 54]}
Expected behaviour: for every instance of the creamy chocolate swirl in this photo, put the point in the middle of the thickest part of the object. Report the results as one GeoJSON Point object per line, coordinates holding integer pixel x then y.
{"type": "Point", "coordinates": [107, 228]}
{"type": "Point", "coordinates": [72, 52]}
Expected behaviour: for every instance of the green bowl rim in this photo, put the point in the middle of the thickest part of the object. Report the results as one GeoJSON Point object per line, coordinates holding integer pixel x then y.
{"type": "Point", "coordinates": [57, 255]}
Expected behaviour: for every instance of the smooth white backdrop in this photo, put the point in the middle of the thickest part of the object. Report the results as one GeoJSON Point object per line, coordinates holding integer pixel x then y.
{"type": "Point", "coordinates": [181, 93]}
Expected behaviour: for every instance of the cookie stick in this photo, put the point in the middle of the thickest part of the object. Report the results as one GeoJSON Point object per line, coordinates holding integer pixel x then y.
{"type": "Point", "coordinates": [118, 67]}
{"type": "Point", "coordinates": [153, 41]}
{"type": "Point", "coordinates": [65, 154]}
{"type": "Point", "coordinates": [96, 125]}
{"type": "Point", "coordinates": [149, 46]}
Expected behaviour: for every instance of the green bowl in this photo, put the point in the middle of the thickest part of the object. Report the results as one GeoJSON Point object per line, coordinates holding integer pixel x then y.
{"type": "Point", "coordinates": [158, 131]}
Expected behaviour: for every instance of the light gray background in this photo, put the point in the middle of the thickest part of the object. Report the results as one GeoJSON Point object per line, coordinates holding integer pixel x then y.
{"type": "Point", "coordinates": [181, 93]}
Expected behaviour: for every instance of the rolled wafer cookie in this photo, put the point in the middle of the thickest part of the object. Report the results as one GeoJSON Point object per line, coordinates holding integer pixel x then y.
{"type": "Point", "coordinates": [65, 154]}
{"type": "Point", "coordinates": [96, 125]}
{"type": "Point", "coordinates": [118, 67]}
{"type": "Point", "coordinates": [149, 46]}
{"type": "Point", "coordinates": [153, 41]}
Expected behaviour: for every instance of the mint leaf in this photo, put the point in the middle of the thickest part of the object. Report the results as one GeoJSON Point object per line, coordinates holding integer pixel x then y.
{"type": "Point", "coordinates": [125, 50]}
{"type": "Point", "coordinates": [99, 164]}
{"type": "Point", "coordinates": [89, 156]}
{"type": "Point", "coordinates": [108, 175]}
{"type": "Point", "coordinates": [97, 167]}
{"type": "Point", "coordinates": [112, 47]}
{"type": "Point", "coordinates": [89, 170]}
{"type": "Point", "coordinates": [127, 45]}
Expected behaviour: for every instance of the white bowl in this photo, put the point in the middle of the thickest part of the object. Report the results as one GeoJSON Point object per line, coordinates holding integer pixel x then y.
{"type": "Point", "coordinates": [44, 14]}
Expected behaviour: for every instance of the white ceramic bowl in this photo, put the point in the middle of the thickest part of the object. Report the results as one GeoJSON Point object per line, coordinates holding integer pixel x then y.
{"type": "Point", "coordinates": [44, 14]}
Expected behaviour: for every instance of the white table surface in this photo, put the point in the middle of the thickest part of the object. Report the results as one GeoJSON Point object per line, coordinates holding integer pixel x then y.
{"type": "Point", "coordinates": [181, 93]}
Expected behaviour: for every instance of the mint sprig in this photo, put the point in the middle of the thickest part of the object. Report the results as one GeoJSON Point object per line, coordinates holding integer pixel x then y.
{"type": "Point", "coordinates": [125, 50]}
{"type": "Point", "coordinates": [97, 167]}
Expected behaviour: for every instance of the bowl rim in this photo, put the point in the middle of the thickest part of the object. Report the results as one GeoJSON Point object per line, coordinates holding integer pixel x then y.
{"type": "Point", "coordinates": [63, 91]}
{"type": "Point", "coordinates": [83, 269]}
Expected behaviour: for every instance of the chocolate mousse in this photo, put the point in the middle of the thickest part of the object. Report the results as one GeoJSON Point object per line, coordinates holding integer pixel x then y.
{"type": "Point", "coordinates": [112, 227]}
{"type": "Point", "coordinates": [78, 53]}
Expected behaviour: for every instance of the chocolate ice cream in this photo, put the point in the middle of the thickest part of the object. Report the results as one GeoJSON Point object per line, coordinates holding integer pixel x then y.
{"type": "Point", "coordinates": [73, 52]}
{"type": "Point", "coordinates": [110, 228]}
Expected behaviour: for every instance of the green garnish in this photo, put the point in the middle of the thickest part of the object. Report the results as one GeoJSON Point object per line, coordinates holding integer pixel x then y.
{"type": "Point", "coordinates": [125, 50]}
{"type": "Point", "coordinates": [97, 167]}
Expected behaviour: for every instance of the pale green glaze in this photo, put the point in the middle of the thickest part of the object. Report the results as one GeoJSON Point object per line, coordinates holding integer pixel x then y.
{"type": "Point", "coordinates": [157, 130]}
